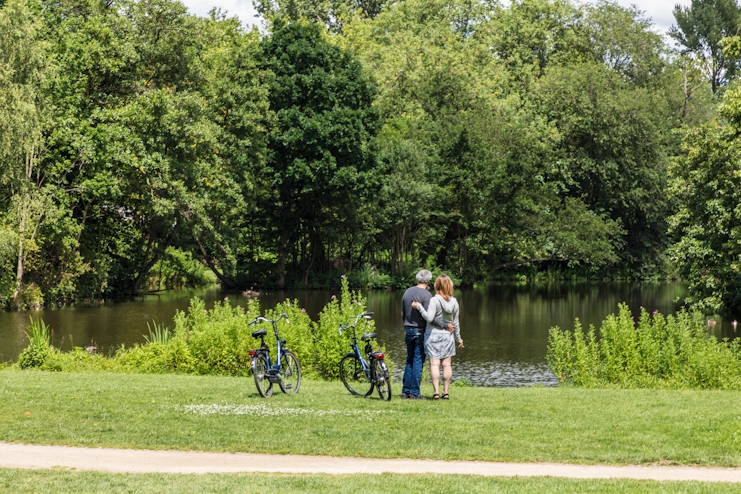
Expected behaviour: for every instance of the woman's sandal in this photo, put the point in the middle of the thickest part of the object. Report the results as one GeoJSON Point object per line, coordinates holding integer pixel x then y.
{"type": "Point", "coordinates": [436, 396]}
{"type": "Point", "coordinates": [446, 396]}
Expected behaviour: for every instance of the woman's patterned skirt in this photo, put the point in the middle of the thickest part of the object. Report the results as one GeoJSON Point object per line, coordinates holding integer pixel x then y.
{"type": "Point", "coordinates": [439, 343]}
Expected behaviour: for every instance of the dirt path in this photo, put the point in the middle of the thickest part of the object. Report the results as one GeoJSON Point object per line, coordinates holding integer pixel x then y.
{"type": "Point", "coordinates": [143, 461]}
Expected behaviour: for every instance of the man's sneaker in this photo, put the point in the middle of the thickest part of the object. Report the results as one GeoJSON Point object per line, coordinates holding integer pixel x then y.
{"type": "Point", "coordinates": [417, 397]}
{"type": "Point", "coordinates": [405, 396]}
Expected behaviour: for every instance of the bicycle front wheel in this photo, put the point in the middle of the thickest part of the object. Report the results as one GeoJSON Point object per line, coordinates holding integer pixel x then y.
{"type": "Point", "coordinates": [383, 381]}
{"type": "Point", "coordinates": [353, 376]}
{"type": "Point", "coordinates": [259, 370]}
{"type": "Point", "coordinates": [290, 373]}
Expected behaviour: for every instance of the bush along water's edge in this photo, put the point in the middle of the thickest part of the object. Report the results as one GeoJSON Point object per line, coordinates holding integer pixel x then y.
{"type": "Point", "coordinates": [657, 351]}
{"type": "Point", "coordinates": [215, 341]}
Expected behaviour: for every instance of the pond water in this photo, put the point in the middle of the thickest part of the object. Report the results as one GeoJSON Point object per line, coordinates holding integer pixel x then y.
{"type": "Point", "coordinates": [505, 327]}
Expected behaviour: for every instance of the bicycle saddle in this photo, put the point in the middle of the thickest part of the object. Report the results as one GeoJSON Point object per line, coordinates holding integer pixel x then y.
{"type": "Point", "coordinates": [259, 333]}
{"type": "Point", "coordinates": [368, 336]}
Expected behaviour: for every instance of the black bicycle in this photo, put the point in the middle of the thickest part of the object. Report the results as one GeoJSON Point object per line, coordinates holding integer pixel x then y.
{"type": "Point", "coordinates": [286, 371]}
{"type": "Point", "coordinates": [361, 374]}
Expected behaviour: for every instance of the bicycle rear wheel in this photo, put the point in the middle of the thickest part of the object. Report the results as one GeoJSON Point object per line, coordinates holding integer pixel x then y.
{"type": "Point", "coordinates": [259, 370]}
{"type": "Point", "coordinates": [353, 376]}
{"type": "Point", "coordinates": [290, 373]}
{"type": "Point", "coordinates": [383, 381]}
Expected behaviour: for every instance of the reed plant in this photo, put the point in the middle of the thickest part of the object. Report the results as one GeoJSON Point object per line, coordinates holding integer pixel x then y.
{"type": "Point", "coordinates": [158, 333]}
{"type": "Point", "coordinates": [39, 345]}
{"type": "Point", "coordinates": [657, 351]}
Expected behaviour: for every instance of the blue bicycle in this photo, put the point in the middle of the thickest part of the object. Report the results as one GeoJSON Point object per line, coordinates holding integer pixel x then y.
{"type": "Point", "coordinates": [360, 374]}
{"type": "Point", "coordinates": [286, 371]}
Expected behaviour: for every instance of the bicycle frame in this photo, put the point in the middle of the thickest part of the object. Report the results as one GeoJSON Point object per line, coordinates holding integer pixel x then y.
{"type": "Point", "coordinates": [360, 369]}
{"type": "Point", "coordinates": [356, 347]}
{"type": "Point", "coordinates": [273, 374]}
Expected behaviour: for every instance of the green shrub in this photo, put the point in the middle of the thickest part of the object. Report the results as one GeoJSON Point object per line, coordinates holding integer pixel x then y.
{"type": "Point", "coordinates": [330, 345]}
{"type": "Point", "coordinates": [178, 269]}
{"type": "Point", "coordinates": [218, 340]}
{"type": "Point", "coordinates": [30, 297]}
{"type": "Point", "coordinates": [78, 360]}
{"type": "Point", "coordinates": [380, 280]}
{"type": "Point", "coordinates": [39, 347]}
{"type": "Point", "coordinates": [370, 277]}
{"type": "Point", "coordinates": [461, 383]}
{"type": "Point", "coordinates": [156, 358]}
{"type": "Point", "coordinates": [362, 277]}
{"type": "Point", "coordinates": [657, 351]}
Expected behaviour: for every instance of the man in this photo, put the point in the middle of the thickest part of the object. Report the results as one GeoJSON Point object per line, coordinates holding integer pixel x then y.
{"type": "Point", "coordinates": [415, 325]}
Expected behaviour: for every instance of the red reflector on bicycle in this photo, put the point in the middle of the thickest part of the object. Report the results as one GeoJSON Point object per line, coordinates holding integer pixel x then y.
{"type": "Point", "coordinates": [380, 355]}
{"type": "Point", "coordinates": [252, 352]}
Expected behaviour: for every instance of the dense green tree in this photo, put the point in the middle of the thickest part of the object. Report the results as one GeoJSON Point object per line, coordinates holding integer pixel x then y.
{"type": "Point", "coordinates": [407, 208]}
{"type": "Point", "coordinates": [475, 136]}
{"type": "Point", "coordinates": [707, 225]}
{"type": "Point", "coordinates": [623, 40]}
{"type": "Point", "coordinates": [24, 195]}
{"type": "Point", "coordinates": [237, 94]}
{"type": "Point", "coordinates": [699, 30]}
{"type": "Point", "coordinates": [162, 116]}
{"type": "Point", "coordinates": [612, 155]}
{"type": "Point", "coordinates": [161, 151]}
{"type": "Point", "coordinates": [529, 35]}
{"type": "Point", "coordinates": [333, 14]}
{"type": "Point", "coordinates": [320, 142]}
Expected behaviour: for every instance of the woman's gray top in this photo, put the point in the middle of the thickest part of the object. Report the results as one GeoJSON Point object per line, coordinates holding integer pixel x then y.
{"type": "Point", "coordinates": [439, 308]}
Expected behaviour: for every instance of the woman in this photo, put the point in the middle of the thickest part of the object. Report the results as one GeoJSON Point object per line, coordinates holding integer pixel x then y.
{"type": "Point", "coordinates": [439, 344]}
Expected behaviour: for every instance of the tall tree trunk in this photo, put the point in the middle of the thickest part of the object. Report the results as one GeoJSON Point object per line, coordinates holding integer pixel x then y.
{"type": "Point", "coordinates": [226, 281]}
{"type": "Point", "coordinates": [136, 287]}
{"type": "Point", "coordinates": [283, 247]}
{"type": "Point", "coordinates": [312, 246]}
{"type": "Point", "coordinates": [282, 253]}
{"type": "Point", "coordinates": [24, 213]}
{"type": "Point", "coordinates": [19, 271]}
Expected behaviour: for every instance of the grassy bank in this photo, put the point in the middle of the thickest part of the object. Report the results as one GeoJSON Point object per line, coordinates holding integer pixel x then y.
{"type": "Point", "coordinates": [212, 413]}
{"type": "Point", "coordinates": [61, 482]}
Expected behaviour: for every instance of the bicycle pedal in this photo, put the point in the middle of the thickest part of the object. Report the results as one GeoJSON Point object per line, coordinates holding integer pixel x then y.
{"type": "Point", "coordinates": [289, 386]}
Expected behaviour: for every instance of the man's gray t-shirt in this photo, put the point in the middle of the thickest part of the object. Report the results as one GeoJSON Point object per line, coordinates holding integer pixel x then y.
{"type": "Point", "coordinates": [411, 316]}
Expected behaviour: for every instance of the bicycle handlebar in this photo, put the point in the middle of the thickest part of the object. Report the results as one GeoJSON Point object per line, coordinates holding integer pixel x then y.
{"type": "Point", "coordinates": [262, 319]}
{"type": "Point", "coordinates": [364, 315]}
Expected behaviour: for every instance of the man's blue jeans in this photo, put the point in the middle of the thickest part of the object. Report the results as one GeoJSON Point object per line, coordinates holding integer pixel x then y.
{"type": "Point", "coordinates": [415, 340]}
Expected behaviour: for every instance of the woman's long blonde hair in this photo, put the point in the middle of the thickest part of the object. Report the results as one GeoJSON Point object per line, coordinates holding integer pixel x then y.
{"type": "Point", "coordinates": [444, 286]}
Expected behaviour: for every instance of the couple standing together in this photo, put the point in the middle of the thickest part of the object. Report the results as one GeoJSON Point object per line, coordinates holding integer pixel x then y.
{"type": "Point", "coordinates": [419, 307]}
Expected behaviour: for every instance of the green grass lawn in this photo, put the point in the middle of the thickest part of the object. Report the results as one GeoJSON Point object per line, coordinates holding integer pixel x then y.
{"type": "Point", "coordinates": [61, 482]}
{"type": "Point", "coordinates": [525, 424]}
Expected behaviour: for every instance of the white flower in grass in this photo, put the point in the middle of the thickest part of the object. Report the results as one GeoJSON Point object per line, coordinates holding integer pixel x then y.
{"type": "Point", "coordinates": [264, 410]}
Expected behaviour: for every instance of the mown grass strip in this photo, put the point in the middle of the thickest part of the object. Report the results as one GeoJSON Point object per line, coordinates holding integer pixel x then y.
{"type": "Point", "coordinates": [62, 482]}
{"type": "Point", "coordinates": [564, 424]}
